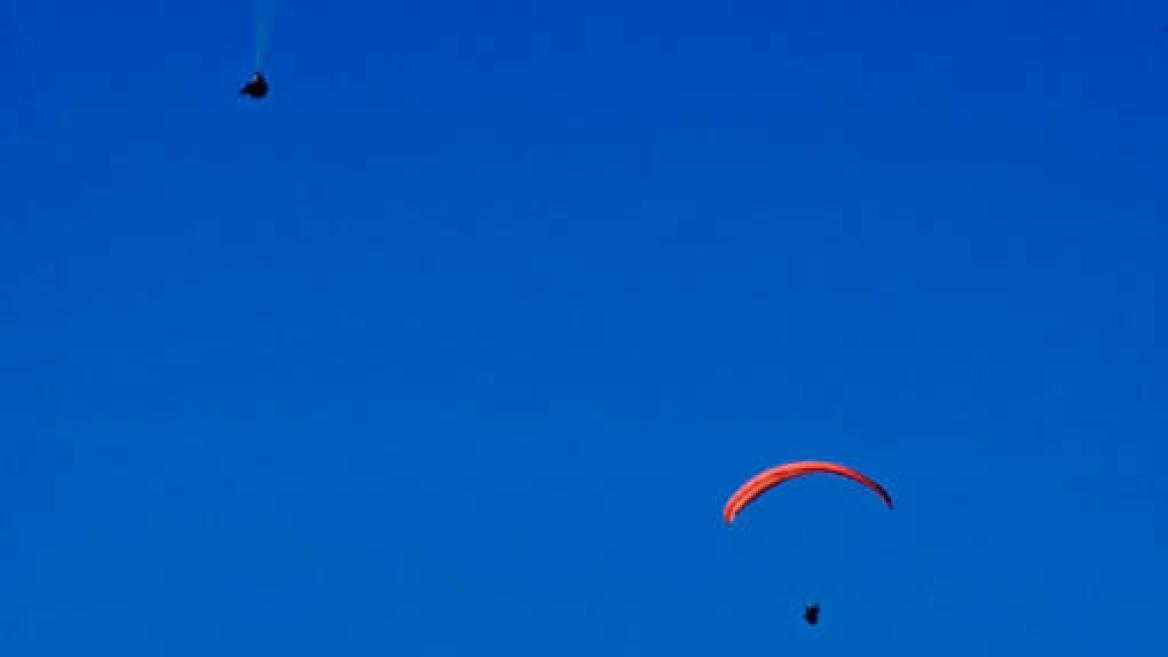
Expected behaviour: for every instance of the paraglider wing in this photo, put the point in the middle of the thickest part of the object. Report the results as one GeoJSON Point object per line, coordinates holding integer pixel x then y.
{"type": "Point", "coordinates": [772, 477]}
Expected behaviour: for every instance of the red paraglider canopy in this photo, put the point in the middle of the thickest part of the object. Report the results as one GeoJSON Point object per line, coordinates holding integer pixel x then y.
{"type": "Point", "coordinates": [768, 479]}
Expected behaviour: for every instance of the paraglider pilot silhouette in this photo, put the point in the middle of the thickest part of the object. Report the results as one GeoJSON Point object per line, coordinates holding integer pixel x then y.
{"type": "Point", "coordinates": [256, 87]}
{"type": "Point", "coordinates": [768, 479]}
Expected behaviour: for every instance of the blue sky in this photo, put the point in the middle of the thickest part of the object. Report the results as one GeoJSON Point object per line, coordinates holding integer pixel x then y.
{"type": "Point", "coordinates": [459, 340]}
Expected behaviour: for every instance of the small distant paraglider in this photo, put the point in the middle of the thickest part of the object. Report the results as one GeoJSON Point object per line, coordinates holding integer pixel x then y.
{"type": "Point", "coordinates": [772, 477]}
{"type": "Point", "coordinates": [256, 87]}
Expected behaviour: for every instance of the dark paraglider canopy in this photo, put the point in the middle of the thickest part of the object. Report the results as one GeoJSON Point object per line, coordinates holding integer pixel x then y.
{"type": "Point", "coordinates": [811, 613]}
{"type": "Point", "coordinates": [256, 87]}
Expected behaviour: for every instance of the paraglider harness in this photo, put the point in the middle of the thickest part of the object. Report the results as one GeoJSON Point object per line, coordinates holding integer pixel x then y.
{"type": "Point", "coordinates": [256, 87]}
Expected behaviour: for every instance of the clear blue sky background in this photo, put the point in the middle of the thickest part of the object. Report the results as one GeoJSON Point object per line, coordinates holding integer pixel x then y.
{"type": "Point", "coordinates": [457, 343]}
